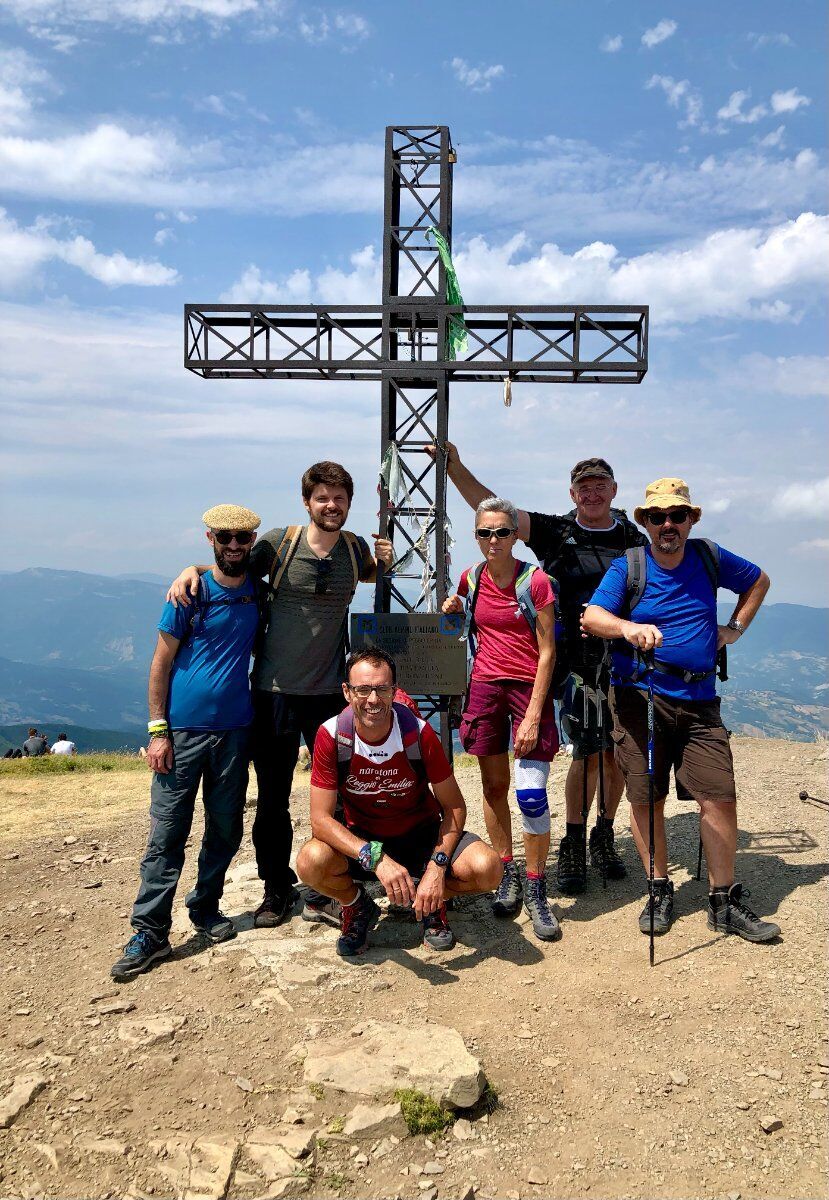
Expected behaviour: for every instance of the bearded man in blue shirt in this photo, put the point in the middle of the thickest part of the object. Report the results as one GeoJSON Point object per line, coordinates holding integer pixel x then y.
{"type": "Point", "coordinates": [672, 585]}
{"type": "Point", "coordinates": [199, 727]}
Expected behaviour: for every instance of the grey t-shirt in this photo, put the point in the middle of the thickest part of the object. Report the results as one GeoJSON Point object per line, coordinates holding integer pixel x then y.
{"type": "Point", "coordinates": [33, 747]}
{"type": "Point", "coordinates": [304, 649]}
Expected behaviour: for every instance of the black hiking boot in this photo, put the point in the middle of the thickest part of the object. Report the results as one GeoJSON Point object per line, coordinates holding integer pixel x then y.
{"type": "Point", "coordinates": [215, 926]}
{"type": "Point", "coordinates": [571, 876]}
{"type": "Point", "coordinates": [140, 952]}
{"type": "Point", "coordinates": [603, 854]}
{"type": "Point", "coordinates": [728, 914]}
{"type": "Point", "coordinates": [545, 926]}
{"type": "Point", "coordinates": [358, 920]}
{"type": "Point", "coordinates": [507, 899]}
{"type": "Point", "coordinates": [663, 909]}
{"type": "Point", "coordinates": [276, 907]}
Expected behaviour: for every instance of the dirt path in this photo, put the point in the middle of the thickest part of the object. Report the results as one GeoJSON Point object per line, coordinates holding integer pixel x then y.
{"type": "Point", "coordinates": [613, 1081]}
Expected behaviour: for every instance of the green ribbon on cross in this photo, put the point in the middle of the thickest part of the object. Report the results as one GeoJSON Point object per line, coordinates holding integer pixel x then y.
{"type": "Point", "coordinates": [457, 325]}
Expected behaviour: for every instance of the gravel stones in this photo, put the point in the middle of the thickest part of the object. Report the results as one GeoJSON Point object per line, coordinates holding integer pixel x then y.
{"type": "Point", "coordinates": [21, 1094]}
{"type": "Point", "coordinates": [150, 1031]}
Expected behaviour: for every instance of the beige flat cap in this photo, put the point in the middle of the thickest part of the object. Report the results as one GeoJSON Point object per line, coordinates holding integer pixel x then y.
{"type": "Point", "coordinates": [231, 516]}
{"type": "Point", "coordinates": [664, 494]}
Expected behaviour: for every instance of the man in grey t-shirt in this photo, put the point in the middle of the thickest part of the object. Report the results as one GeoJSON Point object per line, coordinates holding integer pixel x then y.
{"type": "Point", "coordinates": [298, 670]}
{"type": "Point", "coordinates": [35, 745]}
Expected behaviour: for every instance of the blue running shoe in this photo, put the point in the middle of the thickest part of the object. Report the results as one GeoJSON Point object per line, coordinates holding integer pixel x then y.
{"type": "Point", "coordinates": [358, 920]}
{"type": "Point", "coordinates": [140, 952]}
{"type": "Point", "coordinates": [215, 926]}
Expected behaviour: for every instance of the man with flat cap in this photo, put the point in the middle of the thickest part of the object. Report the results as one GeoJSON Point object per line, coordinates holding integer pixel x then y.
{"type": "Point", "coordinates": [200, 716]}
{"type": "Point", "coordinates": [575, 549]}
{"type": "Point", "coordinates": [661, 602]}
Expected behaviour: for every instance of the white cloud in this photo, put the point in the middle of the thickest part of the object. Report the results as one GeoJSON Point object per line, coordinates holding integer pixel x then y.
{"type": "Point", "coordinates": [360, 285]}
{"type": "Point", "coordinates": [21, 76]}
{"type": "Point", "coordinates": [321, 27]}
{"type": "Point", "coordinates": [679, 94]}
{"type": "Point", "coordinates": [611, 45]}
{"type": "Point", "coordinates": [800, 375]}
{"type": "Point", "coordinates": [733, 110]}
{"type": "Point", "coordinates": [788, 102]}
{"type": "Point", "coordinates": [163, 236]}
{"type": "Point", "coordinates": [23, 251]}
{"type": "Point", "coordinates": [232, 106]}
{"type": "Point", "coordinates": [774, 139]}
{"type": "Point", "coordinates": [659, 33]}
{"type": "Point", "coordinates": [758, 40]}
{"type": "Point", "coordinates": [720, 505]}
{"type": "Point", "coordinates": [802, 498]}
{"type": "Point", "coordinates": [477, 79]}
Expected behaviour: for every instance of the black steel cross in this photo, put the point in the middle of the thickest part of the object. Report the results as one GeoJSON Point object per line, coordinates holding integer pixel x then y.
{"type": "Point", "coordinates": [404, 344]}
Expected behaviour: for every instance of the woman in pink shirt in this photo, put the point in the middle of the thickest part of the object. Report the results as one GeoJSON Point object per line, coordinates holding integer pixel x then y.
{"type": "Point", "coordinates": [513, 634]}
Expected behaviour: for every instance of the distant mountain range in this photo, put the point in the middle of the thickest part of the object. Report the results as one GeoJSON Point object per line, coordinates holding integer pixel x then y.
{"type": "Point", "coordinates": [75, 650]}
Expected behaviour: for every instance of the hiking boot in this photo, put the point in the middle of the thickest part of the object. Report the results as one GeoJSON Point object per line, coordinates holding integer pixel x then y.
{"type": "Point", "coordinates": [507, 899]}
{"type": "Point", "coordinates": [140, 952]}
{"type": "Point", "coordinates": [319, 908]}
{"type": "Point", "coordinates": [275, 907]}
{"type": "Point", "coordinates": [215, 926]}
{"type": "Point", "coordinates": [358, 920]}
{"type": "Point", "coordinates": [436, 932]}
{"type": "Point", "coordinates": [603, 853]}
{"type": "Point", "coordinates": [571, 876]}
{"type": "Point", "coordinates": [545, 926]}
{"type": "Point", "coordinates": [728, 914]}
{"type": "Point", "coordinates": [663, 909]}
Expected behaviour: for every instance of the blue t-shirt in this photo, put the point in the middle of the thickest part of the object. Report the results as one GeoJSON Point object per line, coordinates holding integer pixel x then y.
{"type": "Point", "coordinates": [682, 605]}
{"type": "Point", "coordinates": [209, 686]}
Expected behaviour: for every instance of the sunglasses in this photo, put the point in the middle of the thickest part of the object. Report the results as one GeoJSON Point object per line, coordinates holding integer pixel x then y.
{"type": "Point", "coordinates": [486, 534]}
{"type": "Point", "coordinates": [363, 691]}
{"type": "Point", "coordinates": [224, 537]}
{"type": "Point", "coordinates": [677, 516]}
{"type": "Point", "coordinates": [324, 568]}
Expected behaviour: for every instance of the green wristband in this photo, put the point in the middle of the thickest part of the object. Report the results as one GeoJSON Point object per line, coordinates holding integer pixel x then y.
{"type": "Point", "coordinates": [376, 853]}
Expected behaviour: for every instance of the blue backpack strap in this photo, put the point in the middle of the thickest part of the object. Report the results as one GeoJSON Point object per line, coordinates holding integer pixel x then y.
{"type": "Point", "coordinates": [199, 605]}
{"type": "Point", "coordinates": [523, 593]}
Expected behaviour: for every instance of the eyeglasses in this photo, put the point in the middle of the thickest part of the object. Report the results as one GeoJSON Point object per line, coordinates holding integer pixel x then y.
{"type": "Point", "coordinates": [363, 691]}
{"type": "Point", "coordinates": [677, 516]}
{"type": "Point", "coordinates": [487, 534]}
{"type": "Point", "coordinates": [324, 568]}
{"type": "Point", "coordinates": [224, 537]}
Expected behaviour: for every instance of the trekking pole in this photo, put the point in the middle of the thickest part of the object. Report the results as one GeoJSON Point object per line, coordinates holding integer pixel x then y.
{"type": "Point", "coordinates": [585, 764]}
{"type": "Point", "coordinates": [722, 675]}
{"type": "Point", "coordinates": [599, 698]}
{"type": "Point", "coordinates": [648, 662]}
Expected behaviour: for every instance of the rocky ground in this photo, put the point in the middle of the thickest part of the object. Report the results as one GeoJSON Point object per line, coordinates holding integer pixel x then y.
{"type": "Point", "coordinates": [222, 1073]}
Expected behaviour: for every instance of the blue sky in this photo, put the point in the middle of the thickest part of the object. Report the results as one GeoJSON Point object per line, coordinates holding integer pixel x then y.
{"type": "Point", "coordinates": [154, 152]}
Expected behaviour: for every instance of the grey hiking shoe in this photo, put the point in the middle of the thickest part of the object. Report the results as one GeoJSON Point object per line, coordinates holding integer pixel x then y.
{"type": "Point", "coordinates": [215, 926]}
{"type": "Point", "coordinates": [728, 914]}
{"type": "Point", "coordinates": [663, 909]}
{"type": "Point", "coordinates": [545, 926]}
{"type": "Point", "coordinates": [507, 899]}
{"type": "Point", "coordinates": [321, 909]}
{"type": "Point", "coordinates": [436, 931]}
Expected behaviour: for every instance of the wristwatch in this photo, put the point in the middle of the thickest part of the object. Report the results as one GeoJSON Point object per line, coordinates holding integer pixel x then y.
{"type": "Point", "coordinates": [736, 625]}
{"type": "Point", "coordinates": [440, 859]}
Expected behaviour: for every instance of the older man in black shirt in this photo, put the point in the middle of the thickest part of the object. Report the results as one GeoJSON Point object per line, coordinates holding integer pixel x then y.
{"type": "Point", "coordinates": [575, 550]}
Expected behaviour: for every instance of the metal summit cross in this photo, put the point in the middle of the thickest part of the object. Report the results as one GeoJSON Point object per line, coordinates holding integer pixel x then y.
{"type": "Point", "coordinates": [405, 344]}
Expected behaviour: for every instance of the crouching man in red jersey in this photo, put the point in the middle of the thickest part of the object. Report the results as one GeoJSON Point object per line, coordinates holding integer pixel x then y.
{"type": "Point", "coordinates": [402, 813]}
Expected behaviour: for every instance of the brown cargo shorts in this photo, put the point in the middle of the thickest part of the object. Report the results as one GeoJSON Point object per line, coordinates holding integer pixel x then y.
{"type": "Point", "coordinates": [688, 735]}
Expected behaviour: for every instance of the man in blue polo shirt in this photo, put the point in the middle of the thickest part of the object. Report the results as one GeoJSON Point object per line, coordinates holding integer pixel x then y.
{"type": "Point", "coordinates": [200, 716]}
{"type": "Point", "coordinates": [672, 585]}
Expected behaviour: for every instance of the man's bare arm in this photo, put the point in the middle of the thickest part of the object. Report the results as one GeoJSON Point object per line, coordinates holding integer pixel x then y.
{"type": "Point", "coordinates": [745, 610]}
{"type": "Point", "coordinates": [450, 799]}
{"type": "Point", "coordinates": [604, 624]}
{"type": "Point", "coordinates": [326, 828]}
{"type": "Point", "coordinates": [472, 490]}
{"type": "Point", "coordinates": [165, 651]}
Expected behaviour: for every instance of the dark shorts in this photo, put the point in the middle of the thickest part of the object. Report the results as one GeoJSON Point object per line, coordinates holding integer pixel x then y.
{"type": "Point", "coordinates": [688, 735]}
{"type": "Point", "coordinates": [493, 708]}
{"type": "Point", "coordinates": [412, 850]}
{"type": "Point", "coordinates": [588, 728]}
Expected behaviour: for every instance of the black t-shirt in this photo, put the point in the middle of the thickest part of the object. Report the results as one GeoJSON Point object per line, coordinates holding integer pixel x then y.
{"type": "Point", "coordinates": [578, 558]}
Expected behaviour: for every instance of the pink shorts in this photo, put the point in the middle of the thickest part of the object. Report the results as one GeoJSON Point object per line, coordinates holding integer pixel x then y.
{"type": "Point", "coordinates": [495, 706]}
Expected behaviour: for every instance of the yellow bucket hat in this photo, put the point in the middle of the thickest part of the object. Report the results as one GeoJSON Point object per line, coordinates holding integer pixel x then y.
{"type": "Point", "coordinates": [231, 516]}
{"type": "Point", "coordinates": [664, 494]}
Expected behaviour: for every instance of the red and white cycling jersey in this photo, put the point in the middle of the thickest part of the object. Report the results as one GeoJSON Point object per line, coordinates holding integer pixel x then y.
{"type": "Point", "coordinates": [382, 796]}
